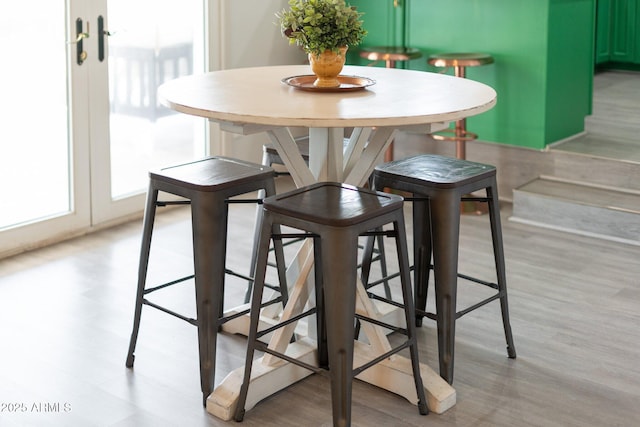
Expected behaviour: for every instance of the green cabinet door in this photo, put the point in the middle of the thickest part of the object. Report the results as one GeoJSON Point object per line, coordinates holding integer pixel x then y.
{"type": "Point", "coordinates": [637, 35]}
{"type": "Point", "coordinates": [623, 35]}
{"type": "Point", "coordinates": [384, 21]}
{"type": "Point", "coordinates": [603, 31]}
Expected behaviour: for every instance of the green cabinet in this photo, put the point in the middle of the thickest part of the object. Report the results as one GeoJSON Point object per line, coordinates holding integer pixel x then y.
{"type": "Point", "coordinates": [543, 50]}
{"type": "Point", "coordinates": [617, 32]}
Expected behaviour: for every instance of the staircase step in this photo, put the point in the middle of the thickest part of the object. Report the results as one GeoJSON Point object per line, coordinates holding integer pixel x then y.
{"type": "Point", "coordinates": [579, 208]}
{"type": "Point", "coordinates": [602, 162]}
{"type": "Point", "coordinates": [615, 106]}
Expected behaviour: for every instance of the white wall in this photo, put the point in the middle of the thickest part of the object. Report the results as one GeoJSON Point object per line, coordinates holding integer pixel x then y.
{"type": "Point", "coordinates": [246, 35]}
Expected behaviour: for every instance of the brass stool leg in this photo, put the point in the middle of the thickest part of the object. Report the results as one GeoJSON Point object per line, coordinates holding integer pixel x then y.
{"type": "Point", "coordinates": [461, 125]}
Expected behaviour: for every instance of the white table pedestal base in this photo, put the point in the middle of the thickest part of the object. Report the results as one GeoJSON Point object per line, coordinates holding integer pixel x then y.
{"type": "Point", "coordinates": [393, 374]}
{"type": "Point", "coordinates": [270, 374]}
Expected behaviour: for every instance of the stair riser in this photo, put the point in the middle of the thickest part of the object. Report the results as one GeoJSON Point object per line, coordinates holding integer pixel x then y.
{"type": "Point", "coordinates": [619, 128]}
{"type": "Point", "coordinates": [575, 217]}
{"type": "Point", "coordinates": [605, 172]}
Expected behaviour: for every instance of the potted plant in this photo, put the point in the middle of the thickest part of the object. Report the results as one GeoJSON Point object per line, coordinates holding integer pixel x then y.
{"type": "Point", "coordinates": [324, 29]}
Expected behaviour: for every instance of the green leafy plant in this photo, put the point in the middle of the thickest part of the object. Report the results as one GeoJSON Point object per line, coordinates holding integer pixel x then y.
{"type": "Point", "coordinates": [319, 25]}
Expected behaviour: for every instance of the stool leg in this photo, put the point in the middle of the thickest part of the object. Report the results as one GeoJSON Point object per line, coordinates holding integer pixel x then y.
{"type": "Point", "coordinates": [262, 255]}
{"type": "Point", "coordinates": [254, 253]}
{"type": "Point", "coordinates": [209, 219]}
{"type": "Point", "coordinates": [367, 260]}
{"type": "Point", "coordinates": [409, 310]}
{"type": "Point", "coordinates": [278, 249]}
{"type": "Point", "coordinates": [145, 249]}
{"type": "Point", "coordinates": [339, 261]}
{"type": "Point", "coordinates": [498, 252]}
{"type": "Point", "coordinates": [421, 254]}
{"type": "Point", "coordinates": [321, 323]}
{"type": "Point", "coordinates": [367, 257]}
{"type": "Point", "coordinates": [266, 161]}
{"type": "Point", "coordinates": [383, 264]}
{"type": "Point", "coordinates": [445, 211]}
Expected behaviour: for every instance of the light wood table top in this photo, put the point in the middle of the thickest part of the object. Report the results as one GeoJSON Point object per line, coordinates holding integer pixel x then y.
{"type": "Point", "coordinates": [257, 96]}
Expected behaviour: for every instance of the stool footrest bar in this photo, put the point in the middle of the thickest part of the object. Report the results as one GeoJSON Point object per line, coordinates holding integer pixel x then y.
{"type": "Point", "coordinates": [194, 322]}
{"type": "Point", "coordinates": [264, 332]}
{"type": "Point", "coordinates": [383, 324]}
{"type": "Point", "coordinates": [475, 199]}
{"type": "Point", "coordinates": [383, 280]}
{"type": "Point", "coordinates": [474, 280]}
{"type": "Point", "coordinates": [165, 285]}
{"type": "Point", "coordinates": [281, 236]}
{"type": "Point", "coordinates": [265, 348]}
{"type": "Point", "coordinates": [371, 295]}
{"type": "Point", "coordinates": [162, 203]}
{"type": "Point", "coordinates": [461, 313]}
{"type": "Point", "coordinates": [226, 319]}
{"type": "Point", "coordinates": [235, 274]}
{"type": "Point", "coordinates": [380, 358]}
{"type": "Point", "coordinates": [243, 201]}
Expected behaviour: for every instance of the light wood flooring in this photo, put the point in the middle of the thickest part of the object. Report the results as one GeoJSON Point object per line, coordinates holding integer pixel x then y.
{"type": "Point", "coordinates": [66, 314]}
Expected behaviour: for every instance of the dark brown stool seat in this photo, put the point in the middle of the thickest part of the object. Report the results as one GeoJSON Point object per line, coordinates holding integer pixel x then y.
{"type": "Point", "coordinates": [207, 185]}
{"type": "Point", "coordinates": [334, 215]}
{"type": "Point", "coordinates": [438, 183]}
{"type": "Point", "coordinates": [459, 61]}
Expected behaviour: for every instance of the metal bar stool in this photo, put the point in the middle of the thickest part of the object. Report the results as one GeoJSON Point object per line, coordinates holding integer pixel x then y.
{"type": "Point", "coordinates": [438, 184]}
{"type": "Point", "coordinates": [390, 55]}
{"type": "Point", "coordinates": [207, 185]}
{"type": "Point", "coordinates": [459, 62]}
{"type": "Point", "coordinates": [335, 215]}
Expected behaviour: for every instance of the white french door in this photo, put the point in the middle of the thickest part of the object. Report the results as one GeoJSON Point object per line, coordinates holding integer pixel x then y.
{"type": "Point", "coordinates": [79, 123]}
{"type": "Point", "coordinates": [144, 43]}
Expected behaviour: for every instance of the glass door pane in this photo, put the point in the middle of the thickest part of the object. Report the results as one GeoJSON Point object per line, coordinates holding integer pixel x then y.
{"type": "Point", "coordinates": [35, 143]}
{"type": "Point", "coordinates": [152, 41]}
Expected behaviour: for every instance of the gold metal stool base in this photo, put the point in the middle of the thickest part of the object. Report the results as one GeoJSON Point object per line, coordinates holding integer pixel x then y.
{"type": "Point", "coordinates": [390, 55]}
{"type": "Point", "coordinates": [460, 135]}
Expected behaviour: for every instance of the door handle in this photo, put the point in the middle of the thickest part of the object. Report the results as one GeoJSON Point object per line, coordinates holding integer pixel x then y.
{"type": "Point", "coordinates": [81, 55]}
{"type": "Point", "coordinates": [102, 33]}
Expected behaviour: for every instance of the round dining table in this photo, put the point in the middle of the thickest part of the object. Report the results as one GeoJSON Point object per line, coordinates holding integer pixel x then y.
{"type": "Point", "coordinates": [373, 103]}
